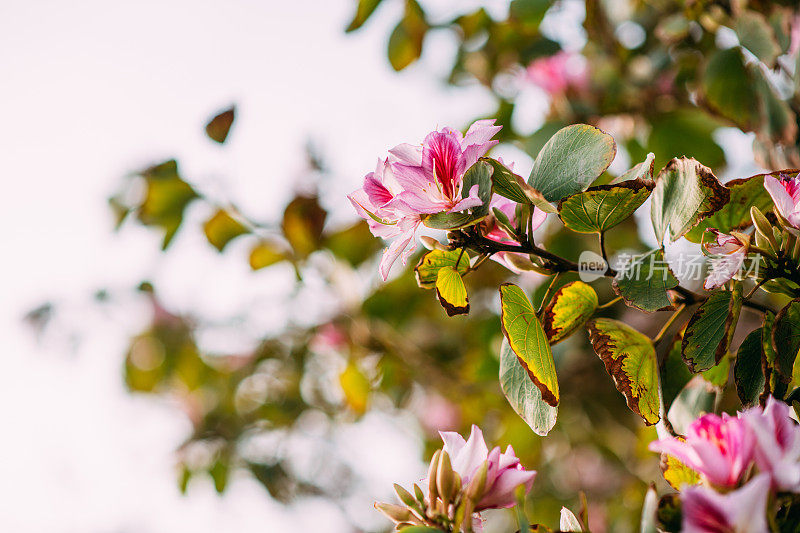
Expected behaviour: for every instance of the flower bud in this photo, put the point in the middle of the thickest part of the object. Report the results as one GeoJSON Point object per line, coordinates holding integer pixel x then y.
{"type": "Point", "coordinates": [431, 244]}
{"type": "Point", "coordinates": [432, 492]}
{"type": "Point", "coordinates": [419, 495]}
{"type": "Point", "coordinates": [763, 227]}
{"type": "Point", "coordinates": [395, 513]}
{"type": "Point", "coordinates": [477, 485]}
{"type": "Point", "coordinates": [405, 496]}
{"type": "Point", "coordinates": [445, 478]}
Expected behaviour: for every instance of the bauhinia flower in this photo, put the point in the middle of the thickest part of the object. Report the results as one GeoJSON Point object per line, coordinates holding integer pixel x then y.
{"type": "Point", "coordinates": [718, 447]}
{"type": "Point", "coordinates": [777, 450]}
{"type": "Point", "coordinates": [728, 253]}
{"type": "Point", "coordinates": [556, 73]}
{"type": "Point", "coordinates": [504, 472]}
{"type": "Point", "coordinates": [739, 511]}
{"type": "Point", "coordinates": [785, 192]}
{"type": "Point", "coordinates": [421, 180]}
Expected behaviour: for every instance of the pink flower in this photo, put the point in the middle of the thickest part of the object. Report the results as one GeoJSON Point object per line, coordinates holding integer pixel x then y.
{"type": "Point", "coordinates": [777, 450]}
{"type": "Point", "coordinates": [556, 73]}
{"type": "Point", "coordinates": [785, 192]}
{"type": "Point", "coordinates": [420, 180]}
{"type": "Point", "coordinates": [498, 234]}
{"type": "Point", "coordinates": [719, 448]}
{"type": "Point", "coordinates": [740, 511]}
{"type": "Point", "coordinates": [504, 473]}
{"type": "Point", "coordinates": [729, 252]}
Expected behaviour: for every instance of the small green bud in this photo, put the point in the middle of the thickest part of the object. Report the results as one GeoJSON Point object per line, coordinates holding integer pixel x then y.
{"type": "Point", "coordinates": [395, 513]}
{"type": "Point", "coordinates": [434, 466]}
{"type": "Point", "coordinates": [405, 496]}
{"type": "Point", "coordinates": [763, 228]}
{"type": "Point", "coordinates": [477, 485]}
{"type": "Point", "coordinates": [445, 478]}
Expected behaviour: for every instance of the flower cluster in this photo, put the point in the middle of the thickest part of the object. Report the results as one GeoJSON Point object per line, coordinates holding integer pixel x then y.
{"type": "Point", "coordinates": [742, 461]}
{"type": "Point", "coordinates": [419, 180]}
{"type": "Point", "coordinates": [464, 478]}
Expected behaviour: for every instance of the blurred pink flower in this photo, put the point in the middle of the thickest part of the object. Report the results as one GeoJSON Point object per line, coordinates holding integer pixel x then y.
{"type": "Point", "coordinates": [794, 36]}
{"type": "Point", "coordinates": [329, 337]}
{"type": "Point", "coordinates": [420, 180]}
{"type": "Point", "coordinates": [556, 73]}
{"type": "Point", "coordinates": [777, 450]}
{"type": "Point", "coordinates": [785, 192]}
{"type": "Point", "coordinates": [729, 252]}
{"type": "Point", "coordinates": [498, 234]}
{"type": "Point", "coordinates": [719, 448]}
{"type": "Point", "coordinates": [504, 473]}
{"type": "Point", "coordinates": [740, 511]}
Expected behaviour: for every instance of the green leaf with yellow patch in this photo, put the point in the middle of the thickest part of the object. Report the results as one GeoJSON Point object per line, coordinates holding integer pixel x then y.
{"type": "Point", "coordinates": [523, 395]}
{"type": "Point", "coordinates": [267, 253]}
{"type": "Point", "coordinates": [222, 228]}
{"type": "Point", "coordinates": [166, 198]}
{"type": "Point", "coordinates": [356, 387]}
{"type": "Point", "coordinates": [710, 329]}
{"type": "Point", "coordinates": [630, 359]}
{"type": "Point", "coordinates": [528, 341]}
{"type": "Point", "coordinates": [602, 207]}
{"type": "Point", "coordinates": [571, 306]}
{"type": "Point", "coordinates": [303, 222]}
{"type": "Point", "coordinates": [427, 270]}
{"type": "Point", "coordinates": [735, 215]}
{"type": "Point", "coordinates": [451, 291]}
{"type": "Point", "coordinates": [571, 160]}
{"type": "Point", "coordinates": [686, 192]}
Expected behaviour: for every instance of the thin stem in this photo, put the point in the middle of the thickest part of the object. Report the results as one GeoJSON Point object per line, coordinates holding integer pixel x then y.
{"type": "Point", "coordinates": [669, 324]}
{"type": "Point", "coordinates": [463, 248]}
{"type": "Point", "coordinates": [602, 235]}
{"type": "Point", "coordinates": [548, 293]}
{"type": "Point", "coordinates": [610, 303]}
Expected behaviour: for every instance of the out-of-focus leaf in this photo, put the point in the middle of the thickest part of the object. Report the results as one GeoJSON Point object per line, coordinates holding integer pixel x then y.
{"type": "Point", "coordinates": [673, 28]}
{"type": "Point", "coordinates": [729, 89]}
{"type": "Point", "coordinates": [640, 171]}
{"type": "Point", "coordinates": [355, 244]}
{"type": "Point", "coordinates": [747, 371]}
{"type": "Point", "coordinates": [686, 192]}
{"type": "Point", "coordinates": [677, 473]}
{"type": "Point", "coordinates": [571, 306]}
{"type": "Point", "coordinates": [405, 42]}
{"type": "Point", "coordinates": [364, 10]}
{"type": "Point", "coordinates": [513, 187]}
{"type": "Point", "coordinates": [696, 398]}
{"type": "Point", "coordinates": [685, 131]}
{"type": "Point", "coordinates": [602, 207]}
{"type": "Point", "coordinates": [629, 358]}
{"type": "Point", "coordinates": [303, 220]}
{"type": "Point", "coordinates": [356, 388]}
{"type": "Point", "coordinates": [427, 270]}
{"type": "Point", "coordinates": [525, 397]}
{"type": "Point", "coordinates": [528, 340]}
{"type": "Point", "coordinates": [674, 373]}
{"type": "Point", "coordinates": [451, 291]}
{"type": "Point", "coordinates": [568, 522]}
{"type": "Point", "coordinates": [778, 122]}
{"type": "Point", "coordinates": [166, 198]}
{"type": "Point", "coordinates": [529, 12]}
{"type": "Point", "coordinates": [644, 282]}
{"type": "Point", "coordinates": [220, 470]}
{"type": "Point", "coordinates": [718, 374]}
{"type": "Point", "coordinates": [735, 215]}
{"type": "Point", "coordinates": [221, 228]}
{"type": "Point", "coordinates": [571, 160]}
{"type": "Point", "coordinates": [669, 516]}
{"type": "Point", "coordinates": [786, 338]}
{"type": "Point", "coordinates": [219, 126]}
{"type": "Point", "coordinates": [756, 35]}
{"type": "Point", "coordinates": [266, 253]}
{"type": "Point", "coordinates": [710, 330]}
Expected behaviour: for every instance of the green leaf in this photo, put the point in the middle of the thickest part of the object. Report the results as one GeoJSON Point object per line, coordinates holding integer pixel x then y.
{"type": "Point", "coordinates": [571, 160]}
{"type": "Point", "coordinates": [756, 34]}
{"type": "Point", "coordinates": [686, 192]}
{"type": "Point", "coordinates": [676, 473]}
{"type": "Point", "coordinates": [571, 306]}
{"type": "Point", "coordinates": [266, 253]}
{"type": "Point", "coordinates": [644, 282]}
{"type": "Point", "coordinates": [685, 131]}
{"type": "Point", "coordinates": [735, 215]}
{"type": "Point", "coordinates": [729, 88]}
{"type": "Point", "coordinates": [451, 291]}
{"type": "Point", "coordinates": [513, 187]}
{"type": "Point", "coordinates": [523, 395]}
{"type": "Point", "coordinates": [718, 374]}
{"type": "Point", "coordinates": [528, 340]}
{"type": "Point", "coordinates": [748, 373]}
{"type": "Point", "coordinates": [405, 42]}
{"type": "Point", "coordinates": [640, 171]}
{"type": "Point", "coordinates": [479, 174]}
{"type": "Point", "coordinates": [354, 244]}
{"type": "Point", "coordinates": [356, 388]}
{"type": "Point", "coordinates": [451, 220]}
{"type": "Point", "coordinates": [696, 398]}
{"type": "Point", "coordinates": [364, 10]}
{"type": "Point", "coordinates": [427, 270]}
{"type": "Point", "coordinates": [603, 207]}
{"type": "Point", "coordinates": [222, 228]}
{"type": "Point", "coordinates": [629, 358]}
{"type": "Point", "coordinates": [166, 199]}
{"type": "Point", "coordinates": [218, 127]}
{"type": "Point", "coordinates": [778, 122]}
{"type": "Point", "coordinates": [303, 221]}
{"type": "Point", "coordinates": [710, 330]}
{"type": "Point", "coordinates": [674, 373]}
{"type": "Point", "coordinates": [669, 514]}
{"type": "Point", "coordinates": [786, 339]}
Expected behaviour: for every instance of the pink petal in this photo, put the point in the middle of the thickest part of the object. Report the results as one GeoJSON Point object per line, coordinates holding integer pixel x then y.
{"type": "Point", "coordinates": [480, 131]}
{"type": "Point", "coordinates": [781, 197]}
{"type": "Point", "coordinates": [724, 268]}
{"type": "Point", "coordinates": [473, 152]}
{"type": "Point", "coordinates": [473, 200]}
{"type": "Point", "coordinates": [408, 154]}
{"type": "Point", "coordinates": [442, 158]}
{"type": "Point", "coordinates": [472, 456]}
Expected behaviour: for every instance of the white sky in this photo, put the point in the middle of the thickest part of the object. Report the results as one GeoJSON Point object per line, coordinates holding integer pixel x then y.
{"type": "Point", "coordinates": [94, 89]}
